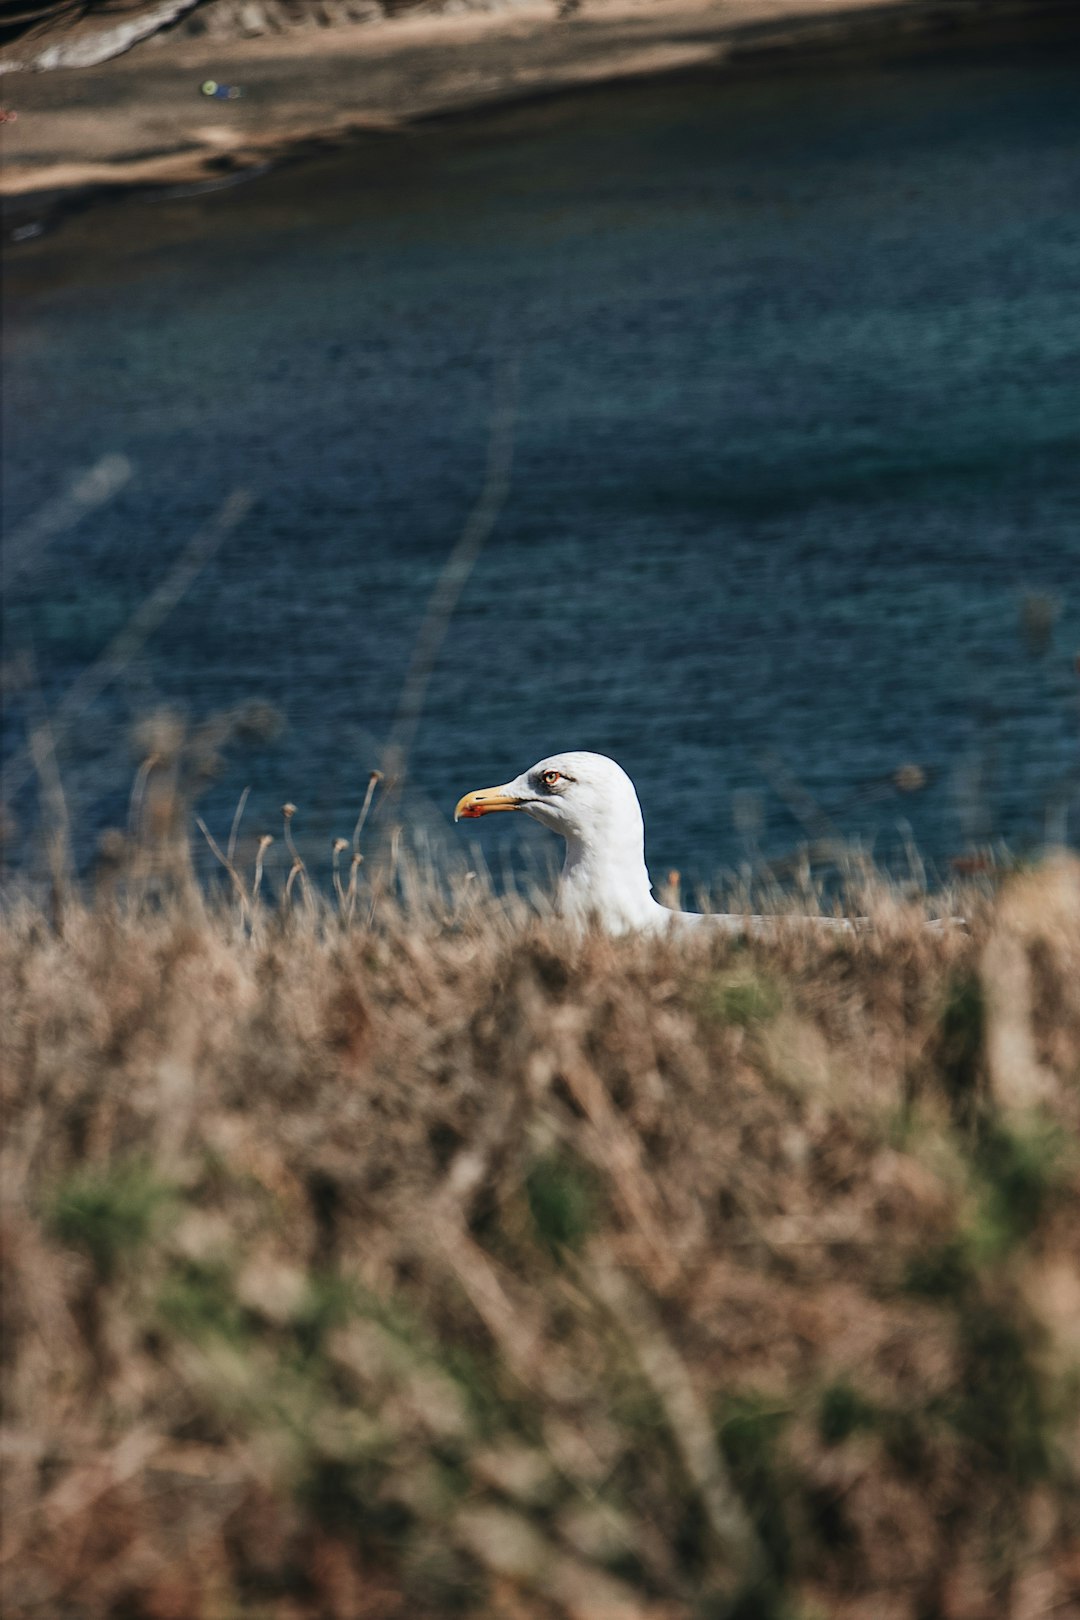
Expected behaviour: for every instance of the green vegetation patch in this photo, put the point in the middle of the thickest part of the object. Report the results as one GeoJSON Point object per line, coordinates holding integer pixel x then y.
{"type": "Point", "coordinates": [745, 1000]}
{"type": "Point", "coordinates": [109, 1213]}
{"type": "Point", "coordinates": [562, 1199]}
{"type": "Point", "coordinates": [1016, 1171]}
{"type": "Point", "coordinates": [1021, 1170]}
{"type": "Point", "coordinates": [198, 1302]}
{"type": "Point", "coordinates": [1002, 1405]}
{"type": "Point", "coordinates": [750, 1430]}
{"type": "Point", "coordinates": [942, 1271]}
{"type": "Point", "coordinates": [960, 1045]}
{"type": "Point", "coordinates": [842, 1411]}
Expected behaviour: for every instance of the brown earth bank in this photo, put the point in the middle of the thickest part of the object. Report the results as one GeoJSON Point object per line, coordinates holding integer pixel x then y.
{"type": "Point", "coordinates": [384, 1262]}
{"type": "Point", "coordinates": [142, 120]}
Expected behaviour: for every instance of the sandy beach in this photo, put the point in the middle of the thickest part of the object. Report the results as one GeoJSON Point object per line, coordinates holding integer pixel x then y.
{"type": "Point", "coordinates": [142, 120]}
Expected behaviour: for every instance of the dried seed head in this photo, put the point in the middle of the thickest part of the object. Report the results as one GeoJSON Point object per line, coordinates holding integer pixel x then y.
{"type": "Point", "coordinates": [160, 736]}
{"type": "Point", "coordinates": [265, 840]}
{"type": "Point", "coordinates": [288, 811]}
{"type": "Point", "coordinates": [909, 778]}
{"type": "Point", "coordinates": [255, 722]}
{"type": "Point", "coordinates": [340, 844]}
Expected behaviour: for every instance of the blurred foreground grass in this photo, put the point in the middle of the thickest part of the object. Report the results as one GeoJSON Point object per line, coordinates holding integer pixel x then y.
{"type": "Point", "coordinates": [459, 1267]}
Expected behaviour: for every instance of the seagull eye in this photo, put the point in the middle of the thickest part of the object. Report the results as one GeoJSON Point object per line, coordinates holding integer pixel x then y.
{"type": "Point", "coordinates": [550, 778]}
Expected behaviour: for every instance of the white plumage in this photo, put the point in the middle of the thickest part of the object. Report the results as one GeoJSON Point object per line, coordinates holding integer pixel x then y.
{"type": "Point", "coordinates": [591, 802]}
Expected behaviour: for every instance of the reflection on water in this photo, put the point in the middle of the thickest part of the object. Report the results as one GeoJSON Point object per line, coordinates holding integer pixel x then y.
{"type": "Point", "coordinates": [795, 498]}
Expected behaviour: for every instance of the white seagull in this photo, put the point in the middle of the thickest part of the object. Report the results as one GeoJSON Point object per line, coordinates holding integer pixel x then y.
{"type": "Point", "coordinates": [591, 802]}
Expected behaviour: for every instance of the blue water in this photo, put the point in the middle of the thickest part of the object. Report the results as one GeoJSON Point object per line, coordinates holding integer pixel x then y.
{"type": "Point", "coordinates": [795, 440]}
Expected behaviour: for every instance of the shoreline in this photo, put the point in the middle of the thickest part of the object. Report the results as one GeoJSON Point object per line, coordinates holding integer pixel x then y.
{"type": "Point", "coordinates": [138, 123]}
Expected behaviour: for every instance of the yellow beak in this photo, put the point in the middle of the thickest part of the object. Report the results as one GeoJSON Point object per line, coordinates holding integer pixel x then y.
{"type": "Point", "coordinates": [484, 801]}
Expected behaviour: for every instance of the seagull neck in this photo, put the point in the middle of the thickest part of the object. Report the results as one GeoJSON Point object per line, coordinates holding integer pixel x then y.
{"type": "Point", "coordinates": [607, 879]}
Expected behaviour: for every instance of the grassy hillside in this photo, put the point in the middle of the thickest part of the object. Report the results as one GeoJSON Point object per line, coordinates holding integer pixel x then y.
{"type": "Point", "coordinates": [455, 1267]}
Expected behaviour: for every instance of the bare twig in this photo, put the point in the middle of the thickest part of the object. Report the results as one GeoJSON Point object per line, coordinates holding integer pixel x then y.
{"type": "Point", "coordinates": [451, 582]}
{"type": "Point", "coordinates": [226, 862]}
{"type": "Point", "coordinates": [264, 844]}
{"type": "Point", "coordinates": [354, 872]}
{"type": "Point", "coordinates": [235, 828]}
{"type": "Point", "coordinates": [338, 845]}
{"type": "Point", "coordinates": [144, 621]}
{"type": "Point", "coordinates": [89, 490]}
{"type": "Point", "coordinates": [138, 791]}
{"type": "Point", "coordinates": [298, 869]}
{"type": "Point", "coordinates": [373, 781]}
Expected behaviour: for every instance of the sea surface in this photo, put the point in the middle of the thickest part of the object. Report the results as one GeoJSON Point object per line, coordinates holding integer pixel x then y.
{"type": "Point", "coordinates": [789, 361]}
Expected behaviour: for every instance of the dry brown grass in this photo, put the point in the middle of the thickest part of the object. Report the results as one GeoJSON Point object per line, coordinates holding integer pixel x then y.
{"type": "Point", "coordinates": [460, 1267]}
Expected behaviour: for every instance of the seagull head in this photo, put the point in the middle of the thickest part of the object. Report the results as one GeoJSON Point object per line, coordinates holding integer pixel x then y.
{"type": "Point", "coordinates": [591, 802]}
{"type": "Point", "coordinates": [587, 798]}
